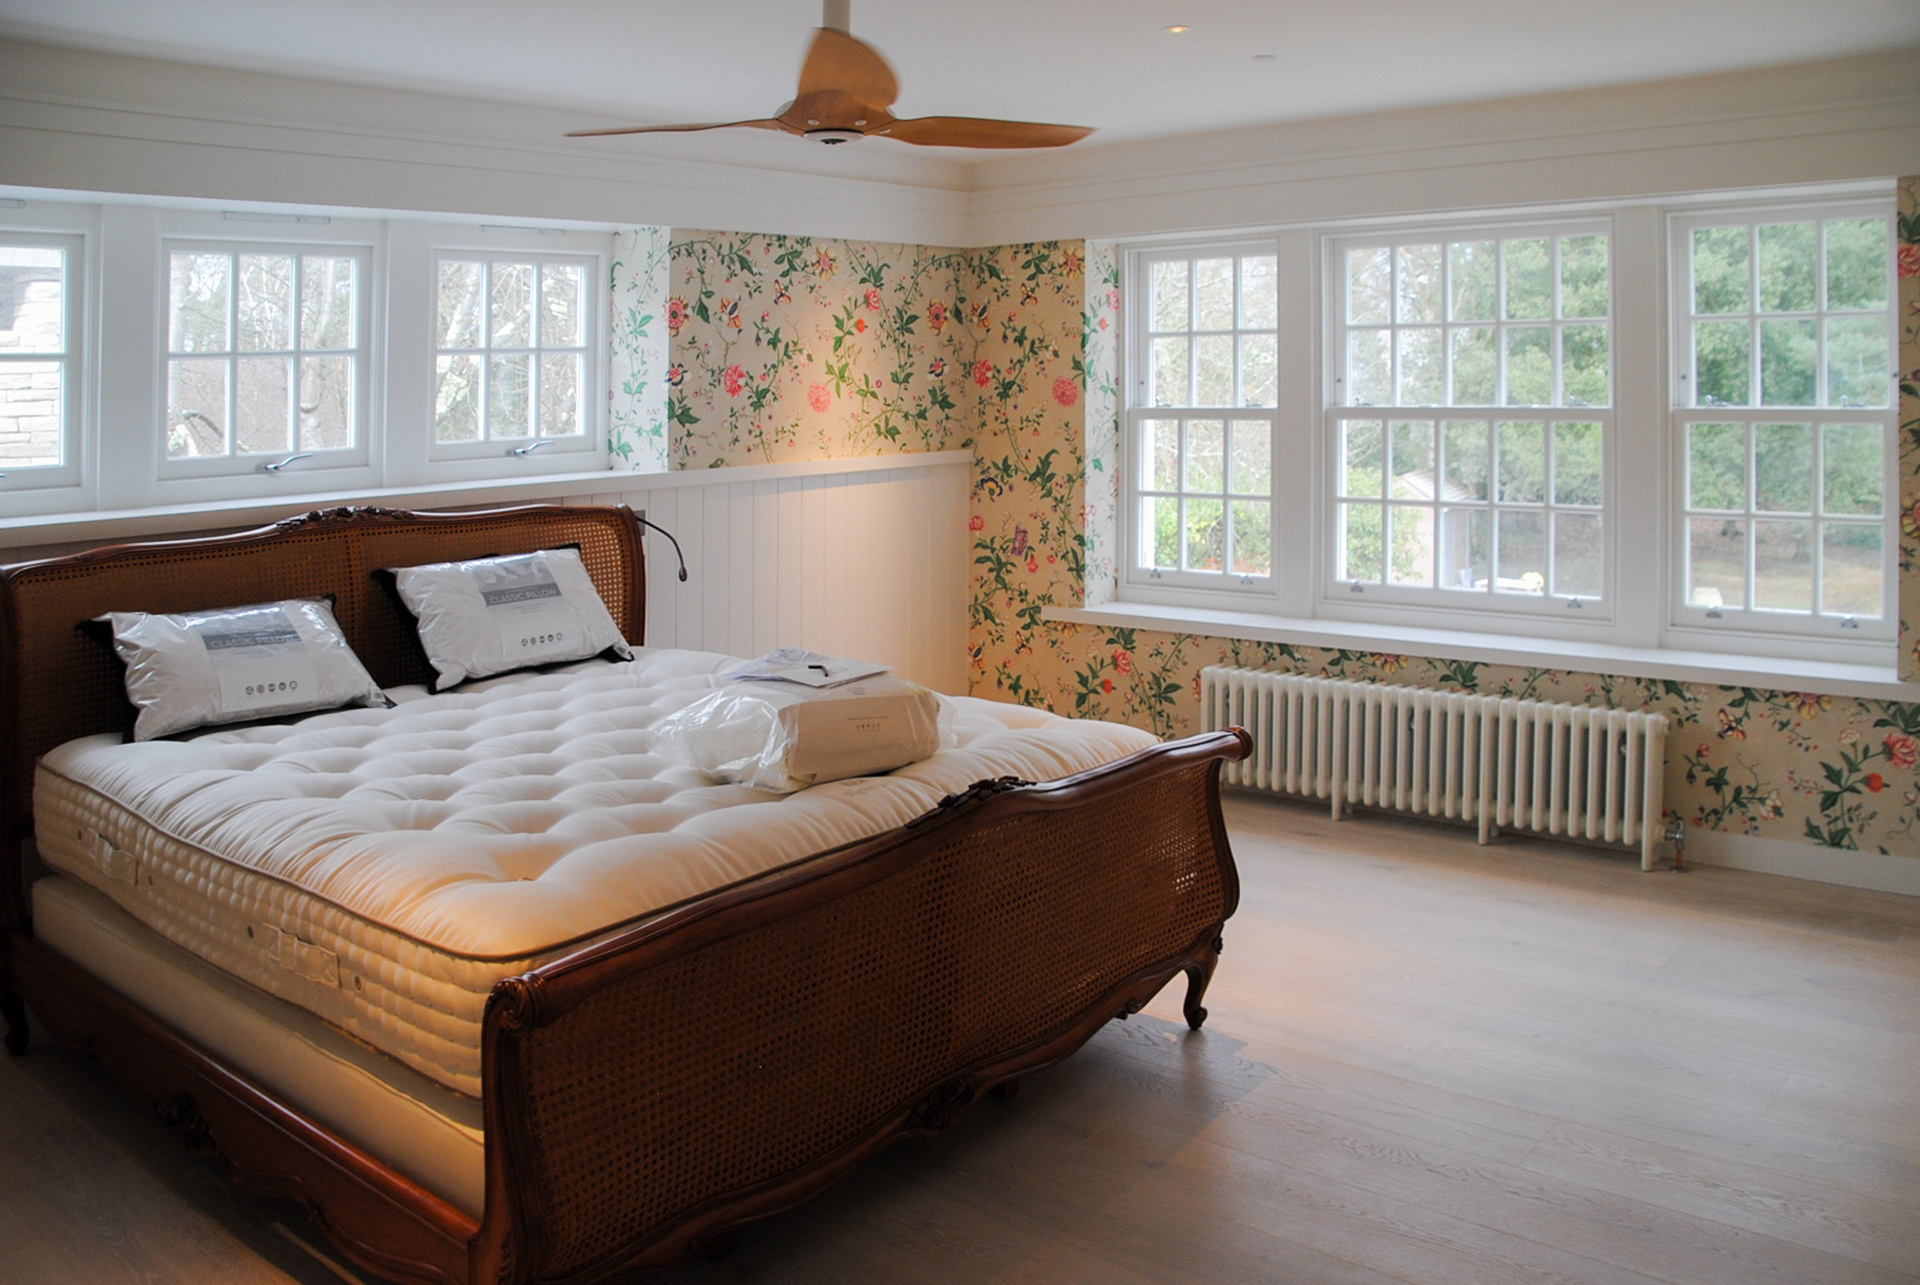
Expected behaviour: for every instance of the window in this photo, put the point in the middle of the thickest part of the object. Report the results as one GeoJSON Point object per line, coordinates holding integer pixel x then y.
{"type": "Point", "coordinates": [266, 355]}
{"type": "Point", "coordinates": [511, 352]}
{"type": "Point", "coordinates": [40, 334]}
{"type": "Point", "coordinates": [1203, 440]}
{"type": "Point", "coordinates": [1506, 504]}
{"type": "Point", "coordinates": [1784, 413]}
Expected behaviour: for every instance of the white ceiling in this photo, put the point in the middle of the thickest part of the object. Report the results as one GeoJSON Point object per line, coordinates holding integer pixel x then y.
{"type": "Point", "coordinates": [1105, 63]}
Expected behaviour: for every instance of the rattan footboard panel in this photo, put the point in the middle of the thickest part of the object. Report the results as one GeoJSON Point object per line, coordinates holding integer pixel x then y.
{"type": "Point", "coordinates": [735, 1064]}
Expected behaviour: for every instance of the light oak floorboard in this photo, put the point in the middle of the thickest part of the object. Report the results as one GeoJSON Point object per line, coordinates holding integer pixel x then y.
{"type": "Point", "coordinates": [1427, 1061]}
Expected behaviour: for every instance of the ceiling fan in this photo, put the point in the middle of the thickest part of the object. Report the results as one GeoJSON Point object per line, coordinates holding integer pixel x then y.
{"type": "Point", "coordinates": [845, 90]}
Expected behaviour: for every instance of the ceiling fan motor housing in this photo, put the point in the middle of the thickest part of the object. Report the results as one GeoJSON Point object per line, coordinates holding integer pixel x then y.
{"type": "Point", "coordinates": [833, 137]}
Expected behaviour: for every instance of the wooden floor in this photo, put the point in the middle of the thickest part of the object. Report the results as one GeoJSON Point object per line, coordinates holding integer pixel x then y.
{"type": "Point", "coordinates": [1427, 1062]}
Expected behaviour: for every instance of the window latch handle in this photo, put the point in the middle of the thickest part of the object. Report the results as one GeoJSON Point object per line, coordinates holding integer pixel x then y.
{"type": "Point", "coordinates": [275, 467]}
{"type": "Point", "coordinates": [528, 449]}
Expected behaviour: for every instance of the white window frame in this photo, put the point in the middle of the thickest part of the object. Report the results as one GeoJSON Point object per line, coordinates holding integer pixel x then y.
{"type": "Point", "coordinates": [493, 456]}
{"type": "Point", "coordinates": [1696, 625]}
{"type": "Point", "coordinates": [32, 487]}
{"type": "Point", "coordinates": [1445, 606]}
{"type": "Point", "coordinates": [1224, 588]}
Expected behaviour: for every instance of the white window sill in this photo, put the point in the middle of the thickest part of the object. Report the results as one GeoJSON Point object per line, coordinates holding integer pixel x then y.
{"type": "Point", "coordinates": [94, 525]}
{"type": "Point", "coordinates": [1828, 678]}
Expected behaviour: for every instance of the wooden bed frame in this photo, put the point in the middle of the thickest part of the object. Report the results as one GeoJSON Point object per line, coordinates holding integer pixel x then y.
{"type": "Point", "coordinates": [715, 1063]}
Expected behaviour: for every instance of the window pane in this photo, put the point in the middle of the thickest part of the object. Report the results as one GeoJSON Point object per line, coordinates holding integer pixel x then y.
{"type": "Point", "coordinates": [1577, 555]}
{"type": "Point", "coordinates": [32, 412]}
{"type": "Point", "coordinates": [1259, 293]}
{"type": "Point", "coordinates": [1464, 549]}
{"type": "Point", "coordinates": [1170, 301]}
{"type": "Point", "coordinates": [1721, 351]}
{"type": "Point", "coordinates": [197, 303]}
{"type": "Point", "coordinates": [1252, 542]}
{"type": "Point", "coordinates": [1717, 467]}
{"type": "Point", "coordinates": [1856, 263]}
{"type": "Point", "coordinates": [1474, 281]}
{"type": "Point", "coordinates": [1475, 367]}
{"type": "Point", "coordinates": [1854, 469]}
{"type": "Point", "coordinates": [1213, 368]}
{"type": "Point", "coordinates": [1422, 374]}
{"type": "Point", "coordinates": [1412, 527]}
{"type": "Point", "coordinates": [33, 314]}
{"type": "Point", "coordinates": [196, 408]}
{"type": "Point", "coordinates": [1584, 366]}
{"type": "Point", "coordinates": [509, 384]}
{"type": "Point", "coordinates": [1465, 449]}
{"type": "Point", "coordinates": [1720, 269]}
{"type": "Point", "coordinates": [263, 305]}
{"type": "Point", "coordinates": [1788, 361]}
{"type": "Point", "coordinates": [1717, 562]}
{"type": "Point", "coordinates": [560, 394]}
{"type": "Point", "coordinates": [1783, 566]}
{"type": "Point", "coordinates": [1850, 570]}
{"type": "Point", "coordinates": [559, 305]}
{"type": "Point", "coordinates": [1412, 460]}
{"type": "Point", "coordinates": [1170, 384]}
{"type": "Point", "coordinates": [1360, 526]}
{"type": "Point", "coordinates": [1789, 266]}
{"type": "Point", "coordinates": [1206, 535]}
{"type": "Point", "coordinates": [1529, 280]}
{"type": "Point", "coordinates": [1367, 368]}
{"type": "Point", "coordinates": [1522, 553]}
{"type": "Point", "coordinates": [456, 399]}
{"type": "Point", "coordinates": [1529, 366]}
{"type": "Point", "coordinates": [326, 403]}
{"type": "Point", "coordinates": [1583, 276]}
{"type": "Point", "coordinates": [459, 315]}
{"type": "Point", "coordinates": [1362, 472]}
{"type": "Point", "coordinates": [261, 396]}
{"type": "Point", "coordinates": [1857, 361]}
{"type": "Point", "coordinates": [326, 301]}
{"type": "Point", "coordinates": [510, 311]}
{"type": "Point", "coordinates": [1577, 477]}
{"type": "Point", "coordinates": [1259, 370]}
{"type": "Point", "coordinates": [1783, 468]}
{"type": "Point", "coordinates": [1161, 518]}
{"type": "Point", "coordinates": [1523, 462]}
{"type": "Point", "coordinates": [1252, 457]}
{"type": "Point", "coordinates": [1206, 455]}
{"type": "Point", "coordinates": [1162, 438]}
{"type": "Point", "coordinates": [1417, 275]}
{"type": "Point", "coordinates": [1213, 294]}
{"type": "Point", "coordinates": [1370, 286]}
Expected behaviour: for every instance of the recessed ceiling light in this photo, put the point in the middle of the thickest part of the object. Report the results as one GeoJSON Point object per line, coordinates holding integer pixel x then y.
{"type": "Point", "coordinates": [1178, 29]}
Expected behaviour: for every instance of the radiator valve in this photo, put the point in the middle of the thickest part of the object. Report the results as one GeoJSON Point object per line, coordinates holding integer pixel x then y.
{"type": "Point", "coordinates": [1676, 834]}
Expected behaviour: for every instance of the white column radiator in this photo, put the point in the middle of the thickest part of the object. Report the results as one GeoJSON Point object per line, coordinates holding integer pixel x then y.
{"type": "Point", "coordinates": [1573, 771]}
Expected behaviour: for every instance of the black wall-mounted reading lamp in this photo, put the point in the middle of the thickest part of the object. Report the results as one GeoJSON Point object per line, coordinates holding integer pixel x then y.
{"type": "Point", "coordinates": [642, 515]}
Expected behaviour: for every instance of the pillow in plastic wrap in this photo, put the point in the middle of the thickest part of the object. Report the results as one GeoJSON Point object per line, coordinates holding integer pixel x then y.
{"type": "Point", "coordinates": [786, 737]}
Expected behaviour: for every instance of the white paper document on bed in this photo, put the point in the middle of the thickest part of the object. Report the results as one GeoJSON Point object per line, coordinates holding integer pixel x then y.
{"type": "Point", "coordinates": [808, 668]}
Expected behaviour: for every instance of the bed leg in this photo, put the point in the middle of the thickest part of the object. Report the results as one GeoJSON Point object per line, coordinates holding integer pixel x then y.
{"type": "Point", "coordinates": [1199, 973]}
{"type": "Point", "coordinates": [15, 1010]}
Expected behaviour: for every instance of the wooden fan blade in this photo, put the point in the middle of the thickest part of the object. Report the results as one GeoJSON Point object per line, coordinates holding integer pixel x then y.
{"type": "Point", "coordinates": [677, 129]}
{"type": "Point", "coordinates": [839, 64]}
{"type": "Point", "coordinates": [973, 131]}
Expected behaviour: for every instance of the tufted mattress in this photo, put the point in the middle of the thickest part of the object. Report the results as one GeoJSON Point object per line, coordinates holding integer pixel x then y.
{"type": "Point", "coordinates": [383, 868]}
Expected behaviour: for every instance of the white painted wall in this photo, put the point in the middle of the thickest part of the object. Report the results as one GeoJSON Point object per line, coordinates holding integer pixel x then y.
{"type": "Point", "coordinates": [97, 122]}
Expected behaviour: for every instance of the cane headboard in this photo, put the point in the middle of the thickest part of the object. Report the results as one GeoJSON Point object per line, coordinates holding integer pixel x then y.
{"type": "Point", "coordinates": [56, 684]}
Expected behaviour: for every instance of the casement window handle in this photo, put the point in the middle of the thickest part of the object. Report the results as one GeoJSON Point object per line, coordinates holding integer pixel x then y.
{"type": "Point", "coordinates": [275, 467]}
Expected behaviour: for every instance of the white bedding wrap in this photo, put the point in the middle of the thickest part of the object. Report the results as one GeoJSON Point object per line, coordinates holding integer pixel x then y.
{"type": "Point", "coordinates": [785, 737]}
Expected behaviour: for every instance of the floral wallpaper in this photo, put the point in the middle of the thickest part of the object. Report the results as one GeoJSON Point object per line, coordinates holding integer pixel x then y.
{"type": "Point", "coordinates": [788, 348]}
{"type": "Point", "coordinates": [637, 351]}
{"type": "Point", "coordinates": [1908, 258]}
{"type": "Point", "coordinates": [1021, 368]}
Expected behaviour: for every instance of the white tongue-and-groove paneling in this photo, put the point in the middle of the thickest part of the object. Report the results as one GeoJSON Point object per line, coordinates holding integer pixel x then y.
{"type": "Point", "coordinates": [870, 562]}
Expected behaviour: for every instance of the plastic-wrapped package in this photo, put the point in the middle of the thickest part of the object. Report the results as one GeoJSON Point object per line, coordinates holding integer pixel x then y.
{"type": "Point", "coordinates": [786, 736]}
